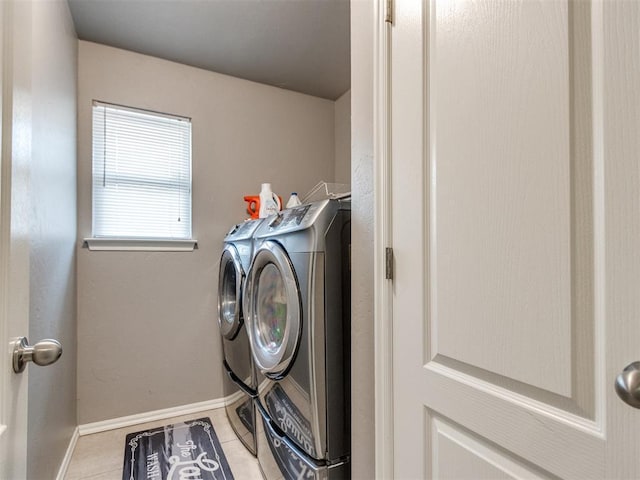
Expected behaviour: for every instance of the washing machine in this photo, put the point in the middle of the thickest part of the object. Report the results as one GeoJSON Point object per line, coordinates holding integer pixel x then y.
{"type": "Point", "coordinates": [297, 305]}
{"type": "Point", "coordinates": [239, 383]}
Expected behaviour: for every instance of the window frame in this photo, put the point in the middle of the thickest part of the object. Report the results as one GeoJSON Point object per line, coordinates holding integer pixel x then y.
{"type": "Point", "coordinates": [126, 243]}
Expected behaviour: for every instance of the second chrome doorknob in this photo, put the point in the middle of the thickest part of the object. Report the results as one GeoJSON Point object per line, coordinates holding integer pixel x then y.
{"type": "Point", "coordinates": [43, 353]}
{"type": "Point", "coordinates": [628, 384]}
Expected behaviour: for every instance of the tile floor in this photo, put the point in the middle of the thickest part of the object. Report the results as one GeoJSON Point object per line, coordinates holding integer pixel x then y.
{"type": "Point", "coordinates": [100, 456]}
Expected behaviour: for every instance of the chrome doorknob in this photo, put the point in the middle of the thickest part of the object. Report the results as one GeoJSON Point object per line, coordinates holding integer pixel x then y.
{"type": "Point", "coordinates": [628, 385]}
{"type": "Point", "coordinates": [43, 353]}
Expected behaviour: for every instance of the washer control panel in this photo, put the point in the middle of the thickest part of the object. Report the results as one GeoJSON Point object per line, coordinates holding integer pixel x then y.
{"type": "Point", "coordinates": [243, 230]}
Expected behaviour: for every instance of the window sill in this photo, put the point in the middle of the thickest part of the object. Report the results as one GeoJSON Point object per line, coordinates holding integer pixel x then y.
{"type": "Point", "coordinates": [140, 244]}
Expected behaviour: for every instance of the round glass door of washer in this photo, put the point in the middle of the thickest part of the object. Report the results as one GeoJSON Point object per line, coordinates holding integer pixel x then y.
{"type": "Point", "coordinates": [230, 293]}
{"type": "Point", "coordinates": [274, 315]}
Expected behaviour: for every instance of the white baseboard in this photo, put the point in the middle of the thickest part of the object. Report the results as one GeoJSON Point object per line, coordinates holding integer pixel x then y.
{"type": "Point", "coordinates": [62, 471]}
{"type": "Point", "coordinates": [105, 425]}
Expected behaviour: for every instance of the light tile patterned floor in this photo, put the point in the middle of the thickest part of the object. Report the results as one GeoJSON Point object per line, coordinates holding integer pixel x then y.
{"type": "Point", "coordinates": [100, 456]}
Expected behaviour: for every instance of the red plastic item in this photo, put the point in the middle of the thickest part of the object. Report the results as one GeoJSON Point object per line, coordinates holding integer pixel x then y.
{"type": "Point", "coordinates": [253, 205]}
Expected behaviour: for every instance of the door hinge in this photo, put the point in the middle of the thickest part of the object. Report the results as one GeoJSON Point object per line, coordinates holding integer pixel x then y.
{"type": "Point", "coordinates": [388, 263]}
{"type": "Point", "coordinates": [388, 11]}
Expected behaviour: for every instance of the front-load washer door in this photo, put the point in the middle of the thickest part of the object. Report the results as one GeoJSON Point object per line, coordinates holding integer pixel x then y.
{"type": "Point", "coordinates": [274, 313]}
{"type": "Point", "coordinates": [230, 283]}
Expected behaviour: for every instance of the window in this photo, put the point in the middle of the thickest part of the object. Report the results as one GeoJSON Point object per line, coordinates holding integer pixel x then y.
{"type": "Point", "coordinates": [141, 174]}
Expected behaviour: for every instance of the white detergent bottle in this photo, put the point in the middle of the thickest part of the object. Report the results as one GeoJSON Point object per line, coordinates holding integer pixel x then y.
{"type": "Point", "coordinates": [269, 201]}
{"type": "Point", "coordinates": [294, 201]}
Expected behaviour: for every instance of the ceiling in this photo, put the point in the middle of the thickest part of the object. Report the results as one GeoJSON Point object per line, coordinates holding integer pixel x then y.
{"type": "Point", "coordinates": [300, 45]}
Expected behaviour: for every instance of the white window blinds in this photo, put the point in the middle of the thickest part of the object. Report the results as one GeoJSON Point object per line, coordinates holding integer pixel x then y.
{"type": "Point", "coordinates": [141, 174]}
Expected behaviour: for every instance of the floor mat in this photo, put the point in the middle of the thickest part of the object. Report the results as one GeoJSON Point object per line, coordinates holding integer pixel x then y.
{"type": "Point", "coordinates": [182, 450]}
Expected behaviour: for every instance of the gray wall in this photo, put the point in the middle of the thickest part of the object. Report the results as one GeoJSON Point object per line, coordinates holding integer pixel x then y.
{"type": "Point", "coordinates": [147, 334]}
{"type": "Point", "coordinates": [52, 390]}
{"type": "Point", "coordinates": [362, 378]}
{"type": "Point", "coordinates": [342, 137]}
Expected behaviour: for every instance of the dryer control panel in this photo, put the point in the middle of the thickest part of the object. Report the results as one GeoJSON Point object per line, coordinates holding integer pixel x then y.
{"type": "Point", "coordinates": [298, 220]}
{"type": "Point", "coordinates": [300, 229]}
{"type": "Point", "coordinates": [289, 218]}
{"type": "Point", "coordinates": [292, 219]}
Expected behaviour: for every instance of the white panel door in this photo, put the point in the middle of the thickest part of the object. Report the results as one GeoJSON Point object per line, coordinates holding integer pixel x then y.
{"type": "Point", "coordinates": [15, 70]}
{"type": "Point", "coordinates": [515, 186]}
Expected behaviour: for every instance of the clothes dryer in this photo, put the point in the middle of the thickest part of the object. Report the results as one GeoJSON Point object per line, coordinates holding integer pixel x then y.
{"type": "Point", "coordinates": [297, 304]}
{"type": "Point", "coordinates": [239, 372]}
